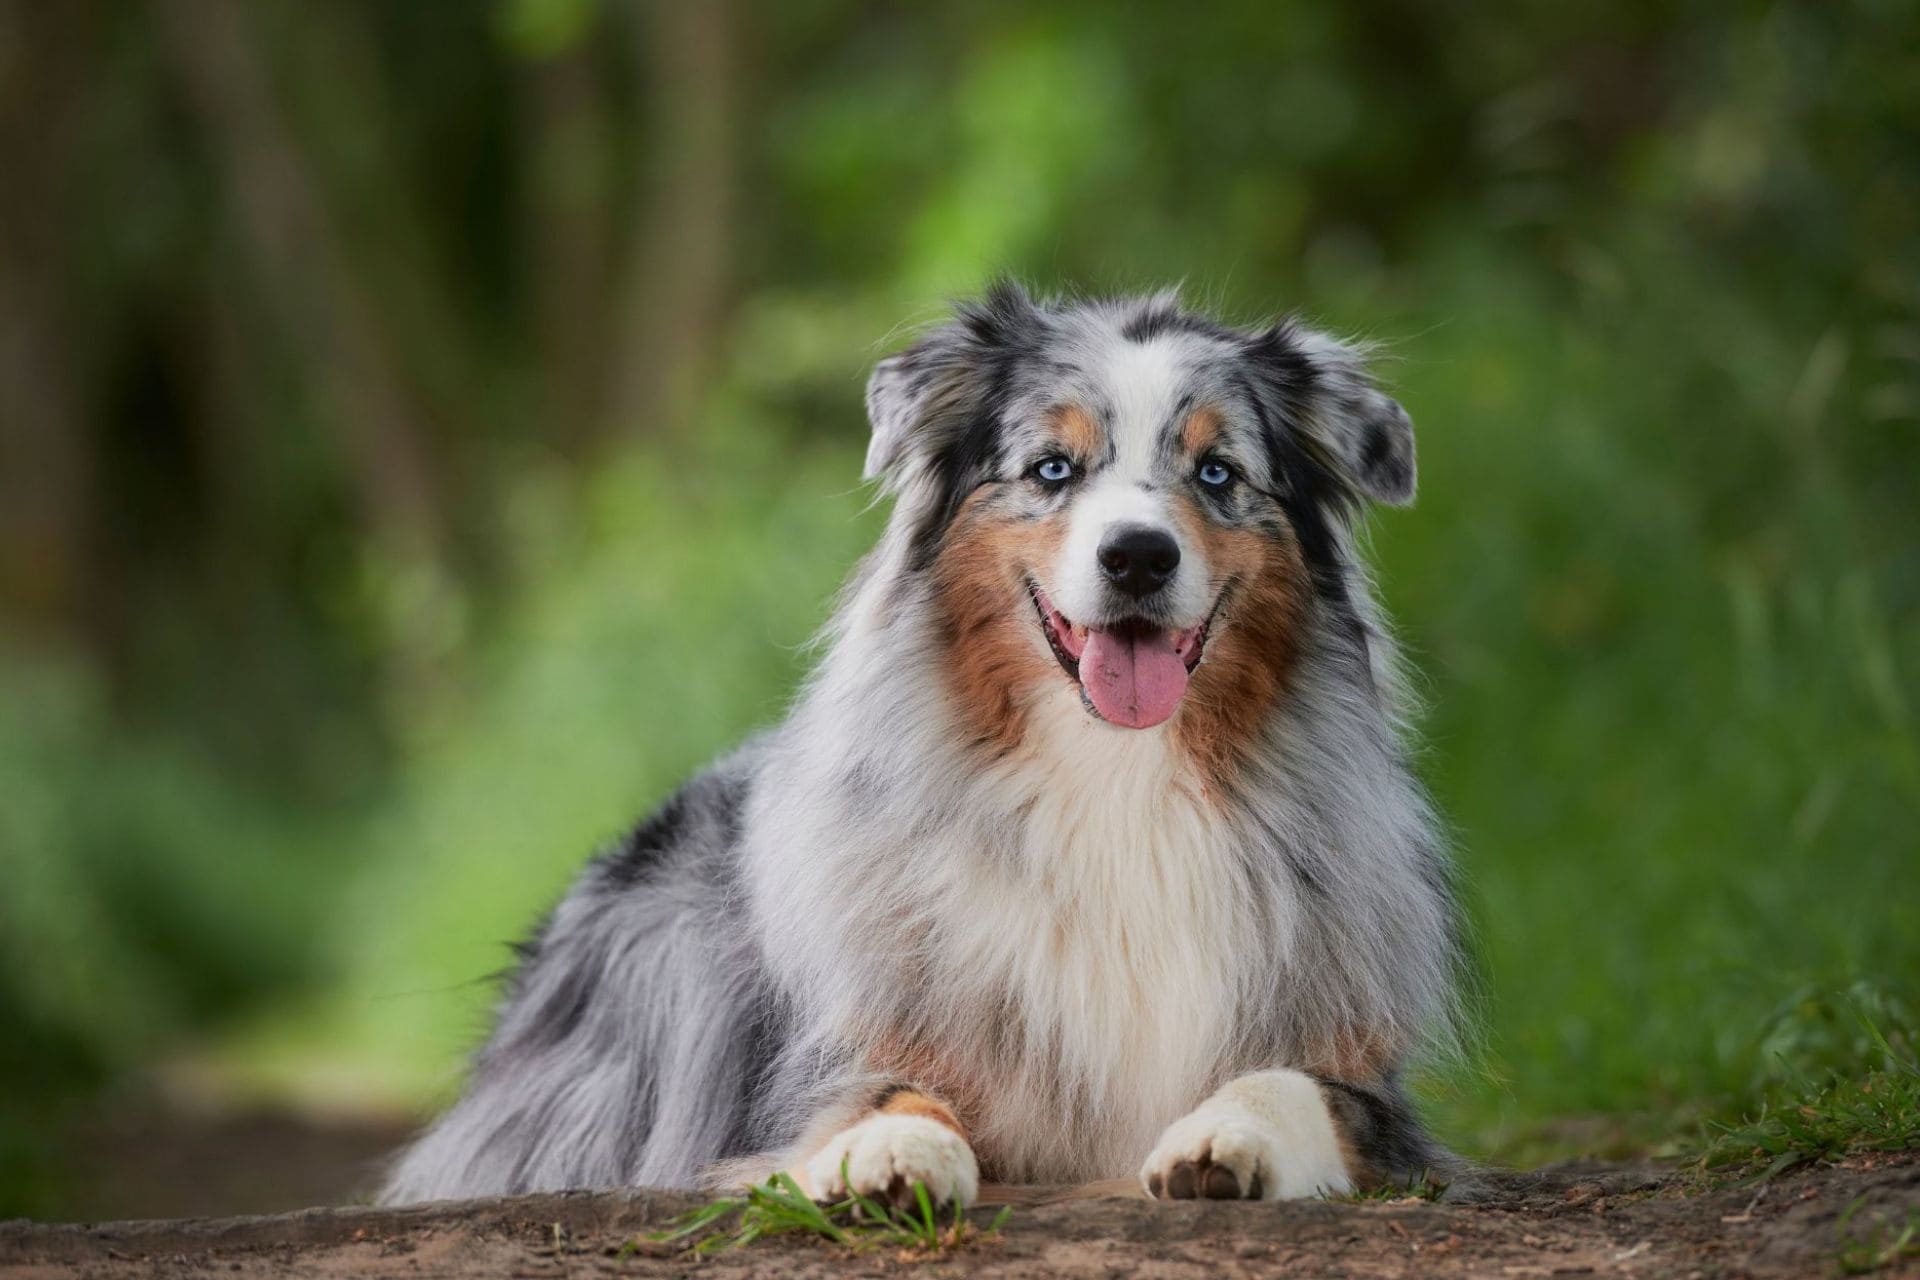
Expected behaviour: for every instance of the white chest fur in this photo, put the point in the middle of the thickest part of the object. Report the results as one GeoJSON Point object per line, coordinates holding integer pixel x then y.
{"type": "Point", "coordinates": [1117, 914]}
{"type": "Point", "coordinates": [1076, 924]}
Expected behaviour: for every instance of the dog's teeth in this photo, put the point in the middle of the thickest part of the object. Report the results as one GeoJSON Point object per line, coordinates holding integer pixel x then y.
{"type": "Point", "coordinates": [1079, 631]}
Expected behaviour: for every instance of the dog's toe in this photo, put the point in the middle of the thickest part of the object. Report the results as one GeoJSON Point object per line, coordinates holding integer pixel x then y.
{"type": "Point", "coordinates": [1268, 1136]}
{"type": "Point", "coordinates": [1221, 1184]}
{"type": "Point", "coordinates": [884, 1156]}
{"type": "Point", "coordinates": [1180, 1182]}
{"type": "Point", "coordinates": [1203, 1161]}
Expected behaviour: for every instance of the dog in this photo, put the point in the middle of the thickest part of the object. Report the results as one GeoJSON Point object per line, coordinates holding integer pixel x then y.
{"type": "Point", "coordinates": [1091, 848]}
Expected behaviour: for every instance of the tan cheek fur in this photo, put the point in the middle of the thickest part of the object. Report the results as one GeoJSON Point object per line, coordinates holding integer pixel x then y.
{"type": "Point", "coordinates": [986, 625]}
{"type": "Point", "coordinates": [1251, 649]}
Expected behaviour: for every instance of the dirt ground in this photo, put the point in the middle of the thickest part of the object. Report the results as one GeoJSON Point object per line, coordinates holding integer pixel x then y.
{"type": "Point", "coordinates": [1564, 1221]}
{"type": "Point", "coordinates": [160, 1163]}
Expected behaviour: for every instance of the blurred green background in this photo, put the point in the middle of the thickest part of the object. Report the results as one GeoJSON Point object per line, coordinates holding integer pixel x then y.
{"type": "Point", "coordinates": [427, 432]}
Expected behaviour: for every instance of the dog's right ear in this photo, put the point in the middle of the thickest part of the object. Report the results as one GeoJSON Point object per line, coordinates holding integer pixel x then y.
{"type": "Point", "coordinates": [925, 397]}
{"type": "Point", "coordinates": [901, 391]}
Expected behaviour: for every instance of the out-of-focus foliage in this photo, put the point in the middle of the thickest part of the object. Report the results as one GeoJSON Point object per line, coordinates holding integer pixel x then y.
{"type": "Point", "coordinates": [428, 432]}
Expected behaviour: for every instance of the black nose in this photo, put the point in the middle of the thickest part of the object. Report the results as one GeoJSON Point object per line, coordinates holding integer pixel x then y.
{"type": "Point", "coordinates": [1138, 560]}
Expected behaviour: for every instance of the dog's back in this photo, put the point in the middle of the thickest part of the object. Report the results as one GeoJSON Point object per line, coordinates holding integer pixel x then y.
{"type": "Point", "coordinates": [633, 1030]}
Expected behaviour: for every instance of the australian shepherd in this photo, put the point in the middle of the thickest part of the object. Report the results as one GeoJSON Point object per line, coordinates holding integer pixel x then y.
{"type": "Point", "coordinates": [1090, 849]}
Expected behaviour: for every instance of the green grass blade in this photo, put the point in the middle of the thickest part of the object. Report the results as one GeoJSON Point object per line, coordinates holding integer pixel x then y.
{"type": "Point", "coordinates": [926, 1214]}
{"type": "Point", "coordinates": [695, 1220]}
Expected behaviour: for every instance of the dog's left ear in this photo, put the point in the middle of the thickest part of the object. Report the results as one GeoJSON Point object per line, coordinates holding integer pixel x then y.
{"type": "Point", "coordinates": [919, 399]}
{"type": "Point", "coordinates": [1322, 390]}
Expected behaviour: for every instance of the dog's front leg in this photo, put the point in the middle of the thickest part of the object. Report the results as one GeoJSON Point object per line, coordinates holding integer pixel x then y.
{"type": "Point", "coordinates": [902, 1137]}
{"type": "Point", "coordinates": [1272, 1135]}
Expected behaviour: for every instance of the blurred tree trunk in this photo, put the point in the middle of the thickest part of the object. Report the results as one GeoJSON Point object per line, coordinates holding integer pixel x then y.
{"type": "Point", "coordinates": [568, 143]}
{"type": "Point", "coordinates": [339, 108]}
{"type": "Point", "coordinates": [674, 297]}
{"type": "Point", "coordinates": [46, 454]}
{"type": "Point", "coordinates": [307, 279]}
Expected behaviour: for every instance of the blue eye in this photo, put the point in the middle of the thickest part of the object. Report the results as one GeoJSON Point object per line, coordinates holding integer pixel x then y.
{"type": "Point", "coordinates": [1215, 474]}
{"type": "Point", "coordinates": [1053, 470]}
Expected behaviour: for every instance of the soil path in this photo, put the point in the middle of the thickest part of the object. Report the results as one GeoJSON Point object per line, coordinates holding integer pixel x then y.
{"type": "Point", "coordinates": [1564, 1221]}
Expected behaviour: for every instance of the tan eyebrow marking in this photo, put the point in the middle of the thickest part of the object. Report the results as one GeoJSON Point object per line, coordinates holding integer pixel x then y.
{"type": "Point", "coordinates": [1202, 429]}
{"type": "Point", "coordinates": [1079, 431]}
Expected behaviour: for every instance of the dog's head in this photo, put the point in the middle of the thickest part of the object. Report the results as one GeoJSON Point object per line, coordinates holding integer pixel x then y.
{"type": "Point", "coordinates": [1128, 500]}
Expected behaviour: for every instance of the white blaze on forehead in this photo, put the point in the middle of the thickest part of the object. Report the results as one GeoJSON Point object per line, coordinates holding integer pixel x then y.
{"type": "Point", "coordinates": [1141, 384]}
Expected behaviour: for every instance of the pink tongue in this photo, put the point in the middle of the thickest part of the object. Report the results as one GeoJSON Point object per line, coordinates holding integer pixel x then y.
{"type": "Point", "coordinates": [1134, 681]}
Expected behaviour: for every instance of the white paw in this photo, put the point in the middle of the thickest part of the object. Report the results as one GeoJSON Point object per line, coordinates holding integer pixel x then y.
{"type": "Point", "coordinates": [884, 1155]}
{"type": "Point", "coordinates": [1262, 1137]}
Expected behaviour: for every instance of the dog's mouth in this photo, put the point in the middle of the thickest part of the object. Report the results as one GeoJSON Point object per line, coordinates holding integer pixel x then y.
{"type": "Point", "coordinates": [1131, 672]}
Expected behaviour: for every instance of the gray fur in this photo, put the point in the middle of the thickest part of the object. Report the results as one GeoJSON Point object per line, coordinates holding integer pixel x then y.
{"type": "Point", "coordinates": [717, 987]}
